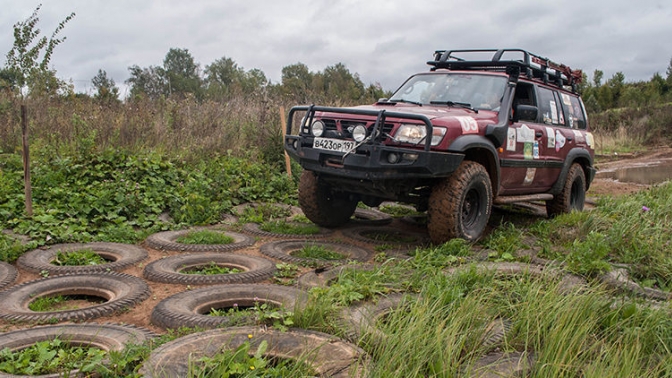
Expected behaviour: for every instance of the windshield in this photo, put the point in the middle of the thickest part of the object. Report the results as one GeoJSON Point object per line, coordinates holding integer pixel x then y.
{"type": "Point", "coordinates": [477, 91]}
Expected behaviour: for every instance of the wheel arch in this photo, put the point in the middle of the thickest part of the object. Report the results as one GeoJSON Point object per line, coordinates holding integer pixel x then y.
{"type": "Point", "coordinates": [480, 150]}
{"type": "Point", "coordinates": [583, 158]}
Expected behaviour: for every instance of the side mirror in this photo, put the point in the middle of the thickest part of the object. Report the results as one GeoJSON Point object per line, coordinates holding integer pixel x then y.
{"type": "Point", "coordinates": [525, 113]}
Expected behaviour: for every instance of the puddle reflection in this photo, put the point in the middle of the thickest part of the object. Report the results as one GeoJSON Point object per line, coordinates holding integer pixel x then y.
{"type": "Point", "coordinates": [652, 174]}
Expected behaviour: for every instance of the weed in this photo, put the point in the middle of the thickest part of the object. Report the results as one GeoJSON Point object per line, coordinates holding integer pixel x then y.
{"type": "Point", "coordinates": [205, 237]}
{"type": "Point", "coordinates": [318, 252]}
{"type": "Point", "coordinates": [50, 357]}
{"type": "Point", "coordinates": [79, 257]}
{"type": "Point", "coordinates": [210, 269]}
{"type": "Point", "coordinates": [285, 228]}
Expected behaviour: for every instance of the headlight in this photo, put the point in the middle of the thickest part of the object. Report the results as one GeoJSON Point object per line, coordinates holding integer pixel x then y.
{"type": "Point", "coordinates": [359, 133]}
{"type": "Point", "coordinates": [317, 128]}
{"type": "Point", "coordinates": [415, 134]}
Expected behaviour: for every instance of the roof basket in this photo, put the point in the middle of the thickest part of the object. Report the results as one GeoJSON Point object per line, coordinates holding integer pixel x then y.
{"type": "Point", "coordinates": [511, 61]}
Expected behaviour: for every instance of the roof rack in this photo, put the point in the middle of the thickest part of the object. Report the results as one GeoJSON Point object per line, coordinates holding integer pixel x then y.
{"type": "Point", "coordinates": [511, 61]}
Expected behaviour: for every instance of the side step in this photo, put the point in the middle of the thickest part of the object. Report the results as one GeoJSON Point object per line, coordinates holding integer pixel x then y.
{"type": "Point", "coordinates": [501, 200]}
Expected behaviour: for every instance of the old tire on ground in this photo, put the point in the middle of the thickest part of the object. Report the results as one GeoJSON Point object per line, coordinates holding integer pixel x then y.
{"type": "Point", "coordinates": [107, 337]}
{"type": "Point", "coordinates": [371, 217]}
{"type": "Point", "coordinates": [321, 205]}
{"type": "Point", "coordinates": [166, 241]}
{"type": "Point", "coordinates": [8, 274]}
{"type": "Point", "coordinates": [191, 308]}
{"type": "Point", "coordinates": [460, 205]}
{"type": "Point", "coordinates": [360, 320]}
{"type": "Point", "coordinates": [326, 354]}
{"type": "Point", "coordinates": [573, 194]}
{"type": "Point", "coordinates": [386, 235]}
{"type": "Point", "coordinates": [119, 290]}
{"type": "Point", "coordinates": [255, 229]}
{"type": "Point", "coordinates": [119, 256]}
{"type": "Point", "coordinates": [169, 269]}
{"type": "Point", "coordinates": [282, 250]}
{"type": "Point", "coordinates": [324, 277]}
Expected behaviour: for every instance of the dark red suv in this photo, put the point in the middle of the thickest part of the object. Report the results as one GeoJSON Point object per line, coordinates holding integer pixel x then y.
{"type": "Point", "coordinates": [481, 127]}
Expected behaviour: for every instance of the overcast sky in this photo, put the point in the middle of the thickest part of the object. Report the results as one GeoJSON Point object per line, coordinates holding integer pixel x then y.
{"type": "Point", "coordinates": [384, 41]}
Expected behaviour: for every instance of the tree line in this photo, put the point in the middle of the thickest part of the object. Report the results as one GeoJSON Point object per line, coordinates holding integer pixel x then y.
{"type": "Point", "coordinates": [26, 72]}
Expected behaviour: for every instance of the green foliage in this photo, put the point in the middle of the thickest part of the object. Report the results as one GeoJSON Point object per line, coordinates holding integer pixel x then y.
{"type": "Point", "coordinates": [205, 237]}
{"type": "Point", "coordinates": [107, 91]}
{"type": "Point", "coordinates": [50, 357]}
{"type": "Point", "coordinates": [261, 313]}
{"type": "Point", "coordinates": [210, 269]}
{"type": "Point", "coordinates": [317, 252]}
{"type": "Point", "coordinates": [110, 195]}
{"type": "Point", "coordinates": [248, 363]}
{"type": "Point", "coordinates": [264, 212]}
{"type": "Point", "coordinates": [282, 227]}
{"type": "Point", "coordinates": [80, 257]}
{"type": "Point", "coordinates": [24, 60]}
{"type": "Point", "coordinates": [286, 274]}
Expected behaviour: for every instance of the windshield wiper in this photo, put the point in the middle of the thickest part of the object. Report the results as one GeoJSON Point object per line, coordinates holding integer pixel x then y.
{"type": "Point", "coordinates": [407, 102]}
{"type": "Point", "coordinates": [455, 104]}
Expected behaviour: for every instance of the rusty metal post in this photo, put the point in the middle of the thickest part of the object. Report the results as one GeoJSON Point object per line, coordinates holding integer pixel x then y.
{"type": "Point", "coordinates": [283, 124]}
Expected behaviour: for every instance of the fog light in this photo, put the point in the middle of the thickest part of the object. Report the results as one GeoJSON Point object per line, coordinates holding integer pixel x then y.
{"type": "Point", "coordinates": [393, 158]}
{"type": "Point", "coordinates": [411, 157]}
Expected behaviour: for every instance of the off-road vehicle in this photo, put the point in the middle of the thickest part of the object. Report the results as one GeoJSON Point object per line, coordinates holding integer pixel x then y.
{"type": "Point", "coordinates": [481, 127]}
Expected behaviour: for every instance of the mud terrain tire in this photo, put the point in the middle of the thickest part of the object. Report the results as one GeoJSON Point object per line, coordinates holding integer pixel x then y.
{"type": "Point", "coordinates": [326, 354]}
{"type": "Point", "coordinates": [168, 270]}
{"type": "Point", "coordinates": [119, 256]}
{"type": "Point", "coordinates": [572, 196]}
{"type": "Point", "coordinates": [320, 205]}
{"type": "Point", "coordinates": [460, 205]}
{"type": "Point", "coordinates": [120, 291]}
{"type": "Point", "coordinates": [191, 308]}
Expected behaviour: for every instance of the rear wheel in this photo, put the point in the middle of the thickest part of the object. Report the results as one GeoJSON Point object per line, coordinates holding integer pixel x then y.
{"type": "Point", "coordinates": [460, 205]}
{"type": "Point", "coordinates": [572, 196]}
{"type": "Point", "coordinates": [321, 205]}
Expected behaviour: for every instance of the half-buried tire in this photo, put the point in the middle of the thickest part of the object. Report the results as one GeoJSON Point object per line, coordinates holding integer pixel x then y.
{"type": "Point", "coordinates": [8, 274]}
{"type": "Point", "coordinates": [167, 241]}
{"type": "Point", "coordinates": [107, 337]}
{"type": "Point", "coordinates": [191, 308]}
{"type": "Point", "coordinates": [117, 290]}
{"type": "Point", "coordinates": [119, 256]}
{"type": "Point", "coordinates": [172, 269]}
{"type": "Point", "coordinates": [327, 355]}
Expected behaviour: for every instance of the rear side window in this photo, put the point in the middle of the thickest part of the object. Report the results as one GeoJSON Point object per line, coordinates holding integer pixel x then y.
{"type": "Point", "coordinates": [576, 116]}
{"type": "Point", "coordinates": [549, 109]}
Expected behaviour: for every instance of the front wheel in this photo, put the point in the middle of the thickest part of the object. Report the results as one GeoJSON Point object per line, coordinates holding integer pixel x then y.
{"type": "Point", "coordinates": [460, 205]}
{"type": "Point", "coordinates": [321, 205]}
{"type": "Point", "coordinates": [573, 193]}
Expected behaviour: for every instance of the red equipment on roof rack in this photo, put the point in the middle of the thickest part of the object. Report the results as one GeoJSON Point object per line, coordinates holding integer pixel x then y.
{"type": "Point", "coordinates": [511, 61]}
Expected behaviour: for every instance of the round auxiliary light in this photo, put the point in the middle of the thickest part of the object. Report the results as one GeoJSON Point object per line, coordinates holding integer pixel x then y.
{"type": "Point", "coordinates": [392, 158]}
{"type": "Point", "coordinates": [317, 128]}
{"type": "Point", "coordinates": [359, 133]}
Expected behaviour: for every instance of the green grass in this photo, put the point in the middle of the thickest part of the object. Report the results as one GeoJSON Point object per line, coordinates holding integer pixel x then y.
{"type": "Point", "coordinates": [60, 302]}
{"type": "Point", "coordinates": [245, 362]}
{"type": "Point", "coordinates": [318, 252]}
{"type": "Point", "coordinates": [282, 227]}
{"type": "Point", "coordinates": [80, 257]}
{"type": "Point", "coordinates": [205, 237]}
{"type": "Point", "coordinates": [210, 269]}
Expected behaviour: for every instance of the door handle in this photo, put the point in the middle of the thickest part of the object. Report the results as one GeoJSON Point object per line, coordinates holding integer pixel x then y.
{"type": "Point", "coordinates": [539, 134]}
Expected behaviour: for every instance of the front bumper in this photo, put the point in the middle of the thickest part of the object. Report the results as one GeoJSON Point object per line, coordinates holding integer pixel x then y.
{"type": "Point", "coordinates": [372, 161]}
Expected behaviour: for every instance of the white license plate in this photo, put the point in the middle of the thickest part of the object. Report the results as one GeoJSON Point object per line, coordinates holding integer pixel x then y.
{"type": "Point", "coordinates": [333, 144]}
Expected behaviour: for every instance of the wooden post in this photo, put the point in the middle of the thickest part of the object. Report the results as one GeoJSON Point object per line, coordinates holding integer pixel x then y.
{"type": "Point", "coordinates": [283, 124]}
{"type": "Point", "coordinates": [26, 162]}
